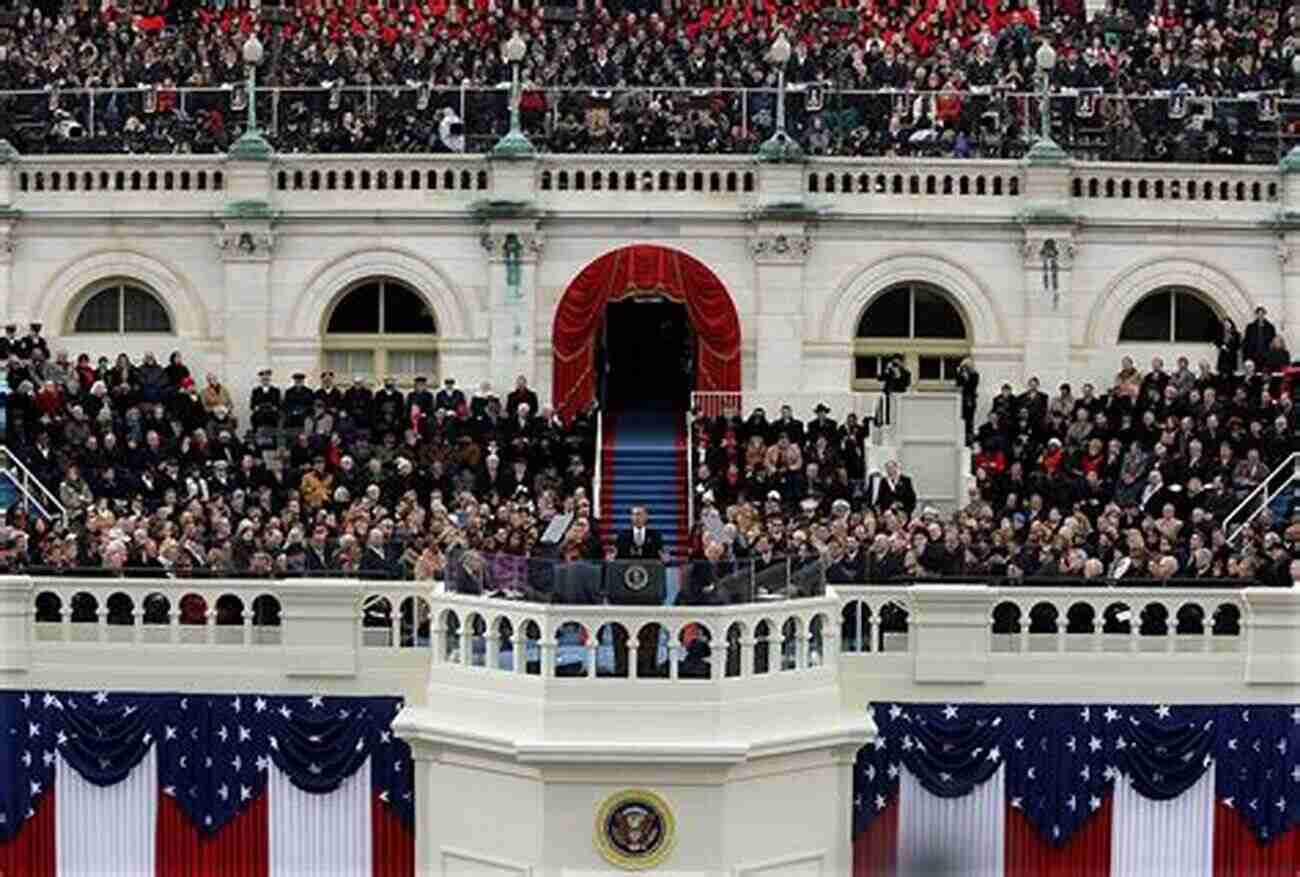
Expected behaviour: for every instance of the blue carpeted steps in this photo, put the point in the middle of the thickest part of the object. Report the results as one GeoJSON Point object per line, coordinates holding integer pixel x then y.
{"type": "Point", "coordinates": [644, 467]}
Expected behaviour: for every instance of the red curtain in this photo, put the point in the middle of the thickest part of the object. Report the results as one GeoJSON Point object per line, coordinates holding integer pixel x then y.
{"type": "Point", "coordinates": [240, 849]}
{"type": "Point", "coordinates": [875, 850]}
{"type": "Point", "coordinates": [643, 268]}
{"type": "Point", "coordinates": [1239, 853]}
{"type": "Point", "coordinates": [1085, 854]}
{"type": "Point", "coordinates": [31, 851]}
{"type": "Point", "coordinates": [393, 842]}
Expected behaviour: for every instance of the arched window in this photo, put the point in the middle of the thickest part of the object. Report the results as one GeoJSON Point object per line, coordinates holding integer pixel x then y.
{"type": "Point", "coordinates": [381, 327]}
{"type": "Point", "coordinates": [121, 306]}
{"type": "Point", "coordinates": [918, 321]}
{"type": "Point", "coordinates": [1170, 314]}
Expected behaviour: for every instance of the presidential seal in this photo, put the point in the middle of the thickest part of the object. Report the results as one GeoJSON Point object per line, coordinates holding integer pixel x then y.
{"type": "Point", "coordinates": [634, 829]}
{"type": "Point", "coordinates": [636, 577]}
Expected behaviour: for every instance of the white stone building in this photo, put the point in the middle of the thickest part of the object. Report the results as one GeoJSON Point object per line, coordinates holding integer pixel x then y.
{"type": "Point", "coordinates": [251, 264]}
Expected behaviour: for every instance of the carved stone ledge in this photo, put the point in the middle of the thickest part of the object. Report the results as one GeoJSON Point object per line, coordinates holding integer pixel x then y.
{"type": "Point", "coordinates": [527, 246]}
{"type": "Point", "coordinates": [1036, 248]}
{"type": "Point", "coordinates": [781, 248]}
{"type": "Point", "coordinates": [245, 244]}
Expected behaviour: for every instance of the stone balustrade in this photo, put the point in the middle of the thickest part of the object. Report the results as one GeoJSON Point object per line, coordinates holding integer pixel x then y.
{"type": "Point", "coordinates": [357, 636]}
{"type": "Point", "coordinates": [691, 184]}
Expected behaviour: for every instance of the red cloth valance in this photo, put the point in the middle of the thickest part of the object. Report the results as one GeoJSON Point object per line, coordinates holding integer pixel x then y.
{"type": "Point", "coordinates": [628, 271]}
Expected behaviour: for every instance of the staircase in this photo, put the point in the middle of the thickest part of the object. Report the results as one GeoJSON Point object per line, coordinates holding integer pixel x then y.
{"type": "Point", "coordinates": [20, 486]}
{"type": "Point", "coordinates": [643, 464]}
{"type": "Point", "coordinates": [1278, 493]}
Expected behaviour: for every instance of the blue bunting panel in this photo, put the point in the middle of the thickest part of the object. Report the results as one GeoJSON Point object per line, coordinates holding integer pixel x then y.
{"type": "Point", "coordinates": [1062, 760]}
{"type": "Point", "coordinates": [214, 751]}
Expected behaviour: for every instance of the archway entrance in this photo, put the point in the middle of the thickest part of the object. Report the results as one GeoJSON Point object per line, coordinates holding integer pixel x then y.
{"type": "Point", "coordinates": [605, 296]}
{"type": "Point", "coordinates": [645, 355]}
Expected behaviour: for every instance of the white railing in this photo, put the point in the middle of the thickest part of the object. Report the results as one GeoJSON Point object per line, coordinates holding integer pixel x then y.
{"type": "Point", "coordinates": [34, 493]}
{"type": "Point", "coordinates": [1283, 476]}
{"type": "Point", "coordinates": [690, 478]}
{"type": "Point", "coordinates": [633, 642]}
{"type": "Point", "coordinates": [599, 466]}
{"type": "Point", "coordinates": [803, 405]}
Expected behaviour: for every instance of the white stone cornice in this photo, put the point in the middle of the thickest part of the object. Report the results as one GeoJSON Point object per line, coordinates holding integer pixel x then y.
{"type": "Point", "coordinates": [527, 244]}
{"type": "Point", "coordinates": [782, 248]}
{"type": "Point", "coordinates": [238, 243]}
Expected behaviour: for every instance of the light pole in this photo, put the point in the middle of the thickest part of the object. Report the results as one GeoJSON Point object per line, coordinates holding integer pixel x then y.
{"type": "Point", "coordinates": [1045, 148]}
{"type": "Point", "coordinates": [515, 144]}
{"type": "Point", "coordinates": [252, 146]}
{"type": "Point", "coordinates": [780, 146]}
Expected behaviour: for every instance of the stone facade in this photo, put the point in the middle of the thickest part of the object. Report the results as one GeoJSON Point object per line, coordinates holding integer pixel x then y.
{"type": "Point", "coordinates": [250, 263]}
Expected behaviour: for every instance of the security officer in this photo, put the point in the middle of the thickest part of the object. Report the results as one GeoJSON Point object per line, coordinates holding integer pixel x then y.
{"type": "Point", "coordinates": [328, 393]}
{"type": "Point", "coordinates": [298, 402]}
{"type": "Point", "coordinates": [31, 342]}
{"type": "Point", "coordinates": [9, 343]}
{"type": "Point", "coordinates": [265, 402]}
{"type": "Point", "coordinates": [359, 401]}
{"type": "Point", "coordinates": [387, 410]}
{"type": "Point", "coordinates": [421, 397]}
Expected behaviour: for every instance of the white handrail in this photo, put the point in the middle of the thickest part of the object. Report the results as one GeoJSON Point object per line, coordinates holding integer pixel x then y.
{"type": "Point", "coordinates": [600, 453]}
{"type": "Point", "coordinates": [690, 483]}
{"type": "Point", "coordinates": [29, 480]}
{"type": "Point", "coordinates": [1292, 462]}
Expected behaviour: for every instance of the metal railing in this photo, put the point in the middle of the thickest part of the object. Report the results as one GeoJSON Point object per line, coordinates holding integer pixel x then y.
{"type": "Point", "coordinates": [999, 123]}
{"type": "Point", "coordinates": [32, 493]}
{"type": "Point", "coordinates": [1283, 476]}
{"type": "Point", "coordinates": [803, 405]}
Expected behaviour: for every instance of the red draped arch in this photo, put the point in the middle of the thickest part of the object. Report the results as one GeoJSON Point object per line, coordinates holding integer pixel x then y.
{"type": "Point", "coordinates": [643, 268]}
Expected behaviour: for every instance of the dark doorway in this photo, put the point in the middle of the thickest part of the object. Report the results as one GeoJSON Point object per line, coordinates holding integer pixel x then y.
{"type": "Point", "coordinates": [646, 355]}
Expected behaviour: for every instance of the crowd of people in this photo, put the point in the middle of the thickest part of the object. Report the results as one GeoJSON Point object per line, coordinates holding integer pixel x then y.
{"type": "Point", "coordinates": [1143, 81]}
{"type": "Point", "coordinates": [1131, 481]}
{"type": "Point", "coordinates": [156, 476]}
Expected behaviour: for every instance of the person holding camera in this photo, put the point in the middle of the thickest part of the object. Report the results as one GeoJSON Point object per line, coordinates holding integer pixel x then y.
{"type": "Point", "coordinates": [896, 379]}
{"type": "Point", "coordinates": [968, 382]}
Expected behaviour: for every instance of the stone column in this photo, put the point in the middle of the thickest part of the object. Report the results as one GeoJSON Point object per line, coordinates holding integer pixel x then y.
{"type": "Point", "coordinates": [1048, 251]}
{"type": "Point", "coordinates": [514, 249]}
{"type": "Point", "coordinates": [245, 246]}
{"type": "Point", "coordinates": [780, 251]}
{"type": "Point", "coordinates": [9, 243]}
{"type": "Point", "coordinates": [16, 616]}
{"type": "Point", "coordinates": [1288, 254]}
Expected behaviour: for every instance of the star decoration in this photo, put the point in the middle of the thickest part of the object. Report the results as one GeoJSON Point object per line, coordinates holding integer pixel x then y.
{"type": "Point", "coordinates": [1094, 744]}
{"type": "Point", "coordinates": [1094, 803]}
{"type": "Point", "coordinates": [1111, 714]}
{"type": "Point", "coordinates": [1162, 711]}
{"type": "Point", "coordinates": [260, 705]}
{"type": "Point", "coordinates": [285, 711]}
{"type": "Point", "coordinates": [895, 711]}
{"type": "Point", "coordinates": [316, 701]}
{"type": "Point", "coordinates": [100, 698]}
{"type": "Point", "coordinates": [880, 802]}
{"type": "Point", "coordinates": [950, 712]}
{"type": "Point", "coordinates": [245, 793]}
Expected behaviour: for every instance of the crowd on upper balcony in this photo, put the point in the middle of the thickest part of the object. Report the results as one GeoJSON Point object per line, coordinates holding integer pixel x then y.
{"type": "Point", "coordinates": [425, 75]}
{"type": "Point", "coordinates": [158, 477]}
{"type": "Point", "coordinates": [1132, 480]}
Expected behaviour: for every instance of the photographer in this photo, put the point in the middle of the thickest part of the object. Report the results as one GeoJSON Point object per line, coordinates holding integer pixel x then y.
{"type": "Point", "coordinates": [968, 382]}
{"type": "Point", "coordinates": [896, 379]}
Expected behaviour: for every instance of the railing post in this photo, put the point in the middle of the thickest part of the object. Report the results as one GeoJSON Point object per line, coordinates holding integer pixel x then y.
{"type": "Point", "coordinates": [1272, 622]}
{"type": "Point", "coordinates": [951, 632]}
{"type": "Point", "coordinates": [17, 616]}
{"type": "Point", "coordinates": [321, 620]}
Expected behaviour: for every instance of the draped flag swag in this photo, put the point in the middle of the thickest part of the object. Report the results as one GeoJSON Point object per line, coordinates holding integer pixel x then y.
{"type": "Point", "coordinates": [628, 271]}
{"type": "Point", "coordinates": [1087, 790]}
{"type": "Point", "coordinates": [198, 784]}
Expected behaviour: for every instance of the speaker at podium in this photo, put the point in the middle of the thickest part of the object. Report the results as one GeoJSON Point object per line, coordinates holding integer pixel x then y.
{"type": "Point", "coordinates": [636, 582]}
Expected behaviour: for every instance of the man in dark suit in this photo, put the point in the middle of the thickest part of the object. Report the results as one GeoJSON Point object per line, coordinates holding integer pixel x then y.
{"type": "Point", "coordinates": [264, 402]}
{"type": "Point", "coordinates": [891, 487]}
{"type": "Point", "coordinates": [822, 424]}
{"type": "Point", "coordinates": [319, 556]}
{"type": "Point", "coordinates": [1259, 335]}
{"type": "Point", "coordinates": [639, 542]}
{"type": "Point", "coordinates": [789, 425]}
{"type": "Point", "coordinates": [449, 397]}
{"type": "Point", "coordinates": [421, 397]}
{"type": "Point", "coordinates": [520, 395]}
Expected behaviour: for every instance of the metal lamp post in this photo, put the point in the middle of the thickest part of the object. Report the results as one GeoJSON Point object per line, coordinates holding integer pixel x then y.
{"type": "Point", "coordinates": [252, 146]}
{"type": "Point", "coordinates": [780, 146]}
{"type": "Point", "coordinates": [515, 144]}
{"type": "Point", "coordinates": [1045, 148]}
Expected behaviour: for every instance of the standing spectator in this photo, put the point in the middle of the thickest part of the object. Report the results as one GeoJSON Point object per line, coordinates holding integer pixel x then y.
{"type": "Point", "coordinates": [968, 382]}
{"type": "Point", "coordinates": [1259, 337]}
